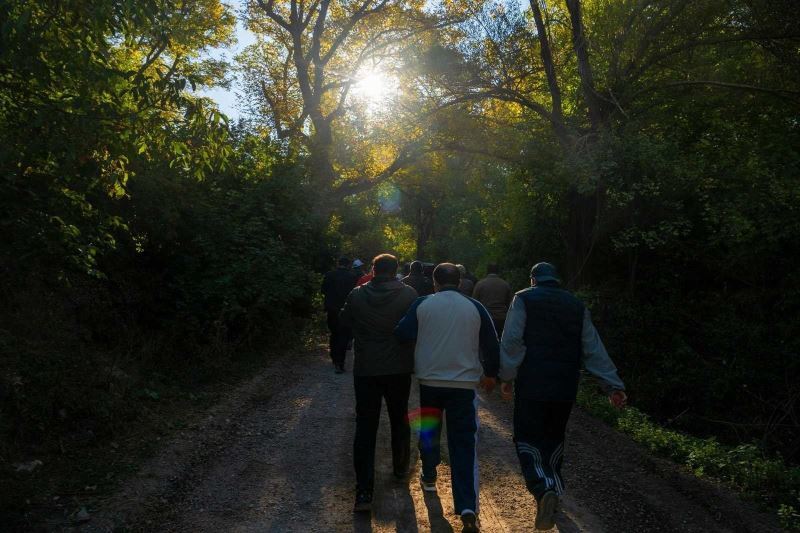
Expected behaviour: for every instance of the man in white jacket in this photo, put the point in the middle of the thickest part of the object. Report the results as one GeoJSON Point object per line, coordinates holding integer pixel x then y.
{"type": "Point", "coordinates": [451, 332]}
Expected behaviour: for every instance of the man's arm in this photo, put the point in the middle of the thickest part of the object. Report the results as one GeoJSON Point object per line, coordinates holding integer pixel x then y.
{"type": "Point", "coordinates": [512, 347]}
{"type": "Point", "coordinates": [346, 314]}
{"type": "Point", "coordinates": [476, 292]}
{"type": "Point", "coordinates": [596, 359]}
{"type": "Point", "coordinates": [487, 338]}
{"type": "Point", "coordinates": [406, 329]}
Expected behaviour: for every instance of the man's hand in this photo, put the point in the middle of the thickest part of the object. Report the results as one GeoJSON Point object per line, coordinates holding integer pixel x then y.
{"type": "Point", "coordinates": [507, 390]}
{"type": "Point", "coordinates": [618, 399]}
{"type": "Point", "coordinates": [488, 384]}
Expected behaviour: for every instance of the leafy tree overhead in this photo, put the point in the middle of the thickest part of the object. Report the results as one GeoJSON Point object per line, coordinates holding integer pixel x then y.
{"type": "Point", "coordinates": [87, 90]}
{"type": "Point", "coordinates": [302, 72]}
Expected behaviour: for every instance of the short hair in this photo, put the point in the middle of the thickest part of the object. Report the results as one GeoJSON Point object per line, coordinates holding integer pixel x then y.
{"type": "Point", "coordinates": [461, 268]}
{"type": "Point", "coordinates": [385, 265]}
{"type": "Point", "coordinates": [344, 262]}
{"type": "Point", "coordinates": [492, 268]}
{"type": "Point", "coordinates": [446, 274]}
{"type": "Point", "coordinates": [416, 267]}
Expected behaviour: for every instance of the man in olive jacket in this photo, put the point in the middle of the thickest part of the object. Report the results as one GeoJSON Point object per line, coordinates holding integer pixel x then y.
{"type": "Point", "coordinates": [495, 294]}
{"type": "Point", "coordinates": [382, 369]}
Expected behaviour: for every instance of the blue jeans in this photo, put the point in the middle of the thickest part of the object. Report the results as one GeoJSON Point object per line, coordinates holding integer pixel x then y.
{"type": "Point", "coordinates": [461, 412]}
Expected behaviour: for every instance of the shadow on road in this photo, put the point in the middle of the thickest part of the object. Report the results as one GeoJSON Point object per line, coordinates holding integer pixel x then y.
{"type": "Point", "coordinates": [362, 523]}
{"type": "Point", "coordinates": [565, 524]}
{"type": "Point", "coordinates": [439, 523]}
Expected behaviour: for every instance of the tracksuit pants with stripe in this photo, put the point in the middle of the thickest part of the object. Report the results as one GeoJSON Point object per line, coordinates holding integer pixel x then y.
{"type": "Point", "coordinates": [539, 428]}
{"type": "Point", "coordinates": [460, 410]}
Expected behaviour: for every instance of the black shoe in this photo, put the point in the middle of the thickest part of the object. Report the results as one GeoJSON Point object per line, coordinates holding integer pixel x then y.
{"type": "Point", "coordinates": [339, 369]}
{"type": "Point", "coordinates": [546, 508]}
{"type": "Point", "coordinates": [470, 522]}
{"type": "Point", "coordinates": [363, 501]}
{"type": "Point", "coordinates": [401, 475]}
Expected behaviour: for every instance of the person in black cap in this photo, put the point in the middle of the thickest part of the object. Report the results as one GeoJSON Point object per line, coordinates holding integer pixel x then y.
{"type": "Point", "coordinates": [548, 333]}
{"type": "Point", "coordinates": [336, 285]}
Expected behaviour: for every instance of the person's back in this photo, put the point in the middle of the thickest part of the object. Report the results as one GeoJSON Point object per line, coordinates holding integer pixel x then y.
{"type": "Point", "coordinates": [548, 334]}
{"type": "Point", "coordinates": [495, 294]}
{"type": "Point", "coordinates": [336, 285]}
{"type": "Point", "coordinates": [382, 371]}
{"type": "Point", "coordinates": [448, 340]}
{"type": "Point", "coordinates": [416, 279]}
{"type": "Point", "coordinates": [373, 310]}
{"type": "Point", "coordinates": [466, 285]}
{"type": "Point", "coordinates": [552, 336]}
{"type": "Point", "coordinates": [452, 331]}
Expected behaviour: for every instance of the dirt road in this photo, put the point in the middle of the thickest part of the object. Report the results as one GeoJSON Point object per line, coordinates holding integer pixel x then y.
{"type": "Point", "coordinates": [276, 456]}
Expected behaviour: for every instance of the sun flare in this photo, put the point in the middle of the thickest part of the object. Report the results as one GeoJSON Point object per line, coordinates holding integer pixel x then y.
{"type": "Point", "coordinates": [376, 88]}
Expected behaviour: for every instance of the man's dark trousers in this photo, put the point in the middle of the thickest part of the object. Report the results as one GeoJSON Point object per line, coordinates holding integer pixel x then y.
{"type": "Point", "coordinates": [339, 337]}
{"type": "Point", "coordinates": [539, 428]}
{"type": "Point", "coordinates": [459, 406]}
{"type": "Point", "coordinates": [498, 326]}
{"type": "Point", "coordinates": [370, 390]}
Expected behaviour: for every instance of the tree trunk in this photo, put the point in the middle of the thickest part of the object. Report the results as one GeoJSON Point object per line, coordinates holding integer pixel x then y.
{"type": "Point", "coordinates": [424, 230]}
{"type": "Point", "coordinates": [593, 101]}
{"type": "Point", "coordinates": [581, 229]}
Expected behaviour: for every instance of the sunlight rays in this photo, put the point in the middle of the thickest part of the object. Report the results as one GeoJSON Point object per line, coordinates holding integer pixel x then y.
{"type": "Point", "coordinates": [376, 88]}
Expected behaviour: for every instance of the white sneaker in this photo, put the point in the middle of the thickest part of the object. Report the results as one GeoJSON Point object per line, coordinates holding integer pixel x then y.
{"type": "Point", "coordinates": [428, 485]}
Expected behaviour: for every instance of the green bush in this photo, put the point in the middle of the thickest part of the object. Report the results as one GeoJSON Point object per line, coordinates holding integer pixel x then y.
{"type": "Point", "coordinates": [745, 467]}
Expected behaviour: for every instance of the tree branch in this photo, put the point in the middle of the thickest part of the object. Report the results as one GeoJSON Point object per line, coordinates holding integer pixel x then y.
{"type": "Point", "coordinates": [584, 66]}
{"type": "Point", "coordinates": [360, 13]}
{"type": "Point", "coordinates": [503, 94]}
{"type": "Point", "coordinates": [547, 61]}
{"type": "Point", "coordinates": [691, 44]}
{"type": "Point", "coordinates": [460, 148]}
{"type": "Point", "coordinates": [268, 8]}
{"type": "Point", "coordinates": [406, 155]}
{"type": "Point", "coordinates": [154, 54]}
{"type": "Point", "coordinates": [780, 93]}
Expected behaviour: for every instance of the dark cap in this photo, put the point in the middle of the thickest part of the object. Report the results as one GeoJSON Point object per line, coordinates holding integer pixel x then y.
{"type": "Point", "coordinates": [544, 272]}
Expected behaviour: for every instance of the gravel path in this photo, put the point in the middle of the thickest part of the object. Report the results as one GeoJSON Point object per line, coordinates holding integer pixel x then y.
{"type": "Point", "coordinates": [276, 456]}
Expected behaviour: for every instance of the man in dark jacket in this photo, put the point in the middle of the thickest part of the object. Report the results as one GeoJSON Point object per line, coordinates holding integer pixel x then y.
{"type": "Point", "coordinates": [336, 285]}
{"type": "Point", "coordinates": [417, 280]}
{"type": "Point", "coordinates": [548, 333]}
{"type": "Point", "coordinates": [495, 294]}
{"type": "Point", "coordinates": [382, 370]}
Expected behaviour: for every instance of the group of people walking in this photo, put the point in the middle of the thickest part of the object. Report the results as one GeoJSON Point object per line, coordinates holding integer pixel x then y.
{"type": "Point", "coordinates": [533, 341]}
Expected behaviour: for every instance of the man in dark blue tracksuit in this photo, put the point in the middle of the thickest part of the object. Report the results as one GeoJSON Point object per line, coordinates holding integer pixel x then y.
{"type": "Point", "coordinates": [548, 333]}
{"type": "Point", "coordinates": [451, 332]}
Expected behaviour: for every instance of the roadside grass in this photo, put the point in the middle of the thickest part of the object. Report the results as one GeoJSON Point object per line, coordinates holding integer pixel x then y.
{"type": "Point", "coordinates": [768, 480]}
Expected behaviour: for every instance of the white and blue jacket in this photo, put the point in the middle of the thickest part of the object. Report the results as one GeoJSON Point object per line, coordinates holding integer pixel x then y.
{"type": "Point", "coordinates": [456, 339]}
